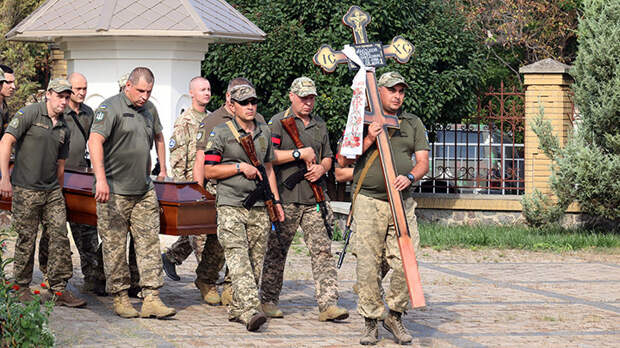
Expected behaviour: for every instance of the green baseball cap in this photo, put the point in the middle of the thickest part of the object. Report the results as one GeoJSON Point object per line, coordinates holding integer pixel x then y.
{"type": "Point", "coordinates": [122, 81]}
{"type": "Point", "coordinates": [2, 78]}
{"type": "Point", "coordinates": [59, 85]}
{"type": "Point", "coordinates": [303, 86]}
{"type": "Point", "coordinates": [242, 92]}
{"type": "Point", "coordinates": [391, 79]}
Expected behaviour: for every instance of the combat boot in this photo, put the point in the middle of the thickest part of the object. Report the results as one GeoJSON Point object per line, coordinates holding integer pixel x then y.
{"type": "Point", "coordinates": [153, 307]}
{"type": "Point", "coordinates": [394, 324]}
{"type": "Point", "coordinates": [123, 307]}
{"type": "Point", "coordinates": [209, 293]}
{"type": "Point", "coordinates": [272, 311]}
{"type": "Point", "coordinates": [24, 294]}
{"type": "Point", "coordinates": [333, 313]}
{"type": "Point", "coordinates": [370, 335]}
{"type": "Point", "coordinates": [169, 268]}
{"type": "Point", "coordinates": [66, 298]}
{"type": "Point", "coordinates": [256, 322]}
{"type": "Point", "coordinates": [227, 298]}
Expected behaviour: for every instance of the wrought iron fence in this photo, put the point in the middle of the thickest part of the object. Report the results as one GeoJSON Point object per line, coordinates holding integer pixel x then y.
{"type": "Point", "coordinates": [483, 154]}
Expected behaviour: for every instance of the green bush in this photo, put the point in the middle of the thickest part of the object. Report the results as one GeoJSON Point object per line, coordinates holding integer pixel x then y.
{"type": "Point", "coordinates": [21, 325]}
{"type": "Point", "coordinates": [587, 168]}
{"type": "Point", "coordinates": [539, 210]}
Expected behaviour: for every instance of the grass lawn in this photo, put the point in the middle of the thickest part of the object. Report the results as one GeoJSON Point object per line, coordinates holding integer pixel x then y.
{"type": "Point", "coordinates": [555, 239]}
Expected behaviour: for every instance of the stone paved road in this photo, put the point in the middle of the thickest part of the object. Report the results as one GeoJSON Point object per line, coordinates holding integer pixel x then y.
{"type": "Point", "coordinates": [484, 298]}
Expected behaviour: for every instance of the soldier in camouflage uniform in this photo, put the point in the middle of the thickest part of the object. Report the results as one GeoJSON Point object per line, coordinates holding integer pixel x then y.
{"type": "Point", "coordinates": [7, 89]}
{"type": "Point", "coordinates": [242, 232]}
{"type": "Point", "coordinates": [121, 137]}
{"type": "Point", "coordinates": [79, 118]}
{"type": "Point", "coordinates": [375, 234]}
{"type": "Point", "coordinates": [181, 249]}
{"type": "Point", "coordinates": [300, 205]}
{"type": "Point", "coordinates": [187, 132]}
{"type": "Point", "coordinates": [41, 139]}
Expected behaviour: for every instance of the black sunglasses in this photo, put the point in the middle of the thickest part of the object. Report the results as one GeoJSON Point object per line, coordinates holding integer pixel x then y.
{"type": "Point", "coordinates": [246, 102]}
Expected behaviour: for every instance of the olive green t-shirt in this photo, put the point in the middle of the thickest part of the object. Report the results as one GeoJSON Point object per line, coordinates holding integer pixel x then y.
{"type": "Point", "coordinates": [157, 127]}
{"type": "Point", "coordinates": [38, 148]}
{"type": "Point", "coordinates": [128, 131]}
{"type": "Point", "coordinates": [313, 135]}
{"type": "Point", "coordinates": [223, 148]}
{"type": "Point", "coordinates": [212, 120]}
{"type": "Point", "coordinates": [410, 138]}
{"type": "Point", "coordinates": [4, 117]}
{"type": "Point", "coordinates": [77, 150]}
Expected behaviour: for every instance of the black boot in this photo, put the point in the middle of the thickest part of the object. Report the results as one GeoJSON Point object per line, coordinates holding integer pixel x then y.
{"type": "Point", "coordinates": [169, 268]}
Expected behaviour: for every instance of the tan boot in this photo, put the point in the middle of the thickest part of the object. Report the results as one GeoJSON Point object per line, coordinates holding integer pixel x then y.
{"type": "Point", "coordinates": [333, 313]}
{"type": "Point", "coordinates": [272, 311]}
{"type": "Point", "coordinates": [123, 307]}
{"type": "Point", "coordinates": [153, 307]}
{"type": "Point", "coordinates": [227, 297]}
{"type": "Point", "coordinates": [394, 324]}
{"type": "Point", "coordinates": [370, 335]}
{"type": "Point", "coordinates": [209, 293]}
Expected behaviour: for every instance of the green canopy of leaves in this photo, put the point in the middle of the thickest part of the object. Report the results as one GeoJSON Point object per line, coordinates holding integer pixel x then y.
{"type": "Point", "coordinates": [445, 73]}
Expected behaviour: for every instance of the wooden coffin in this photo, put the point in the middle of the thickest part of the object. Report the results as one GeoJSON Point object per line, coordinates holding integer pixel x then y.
{"type": "Point", "coordinates": [185, 207]}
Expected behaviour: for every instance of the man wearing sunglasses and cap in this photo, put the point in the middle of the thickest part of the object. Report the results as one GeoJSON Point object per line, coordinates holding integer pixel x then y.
{"type": "Point", "coordinates": [208, 250]}
{"type": "Point", "coordinates": [41, 138]}
{"type": "Point", "coordinates": [7, 89]}
{"type": "Point", "coordinates": [299, 204]}
{"type": "Point", "coordinates": [242, 232]}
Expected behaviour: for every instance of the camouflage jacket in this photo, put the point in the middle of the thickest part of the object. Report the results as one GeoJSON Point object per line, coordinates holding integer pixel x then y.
{"type": "Point", "coordinates": [182, 144]}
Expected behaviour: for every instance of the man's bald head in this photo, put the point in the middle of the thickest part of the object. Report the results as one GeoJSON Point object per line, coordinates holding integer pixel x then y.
{"type": "Point", "coordinates": [200, 91]}
{"type": "Point", "coordinates": [79, 87]}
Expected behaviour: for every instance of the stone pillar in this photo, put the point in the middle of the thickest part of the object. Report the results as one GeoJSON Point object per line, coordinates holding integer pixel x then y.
{"type": "Point", "coordinates": [58, 62]}
{"type": "Point", "coordinates": [547, 82]}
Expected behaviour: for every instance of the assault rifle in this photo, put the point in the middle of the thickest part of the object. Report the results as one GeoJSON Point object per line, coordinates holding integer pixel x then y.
{"type": "Point", "coordinates": [291, 128]}
{"type": "Point", "coordinates": [347, 237]}
{"type": "Point", "coordinates": [262, 191]}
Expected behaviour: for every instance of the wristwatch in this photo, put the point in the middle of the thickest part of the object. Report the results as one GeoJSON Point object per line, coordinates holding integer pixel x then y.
{"type": "Point", "coordinates": [296, 154]}
{"type": "Point", "coordinates": [411, 177]}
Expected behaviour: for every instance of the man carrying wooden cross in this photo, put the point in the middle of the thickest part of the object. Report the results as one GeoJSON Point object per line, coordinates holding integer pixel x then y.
{"type": "Point", "coordinates": [375, 231]}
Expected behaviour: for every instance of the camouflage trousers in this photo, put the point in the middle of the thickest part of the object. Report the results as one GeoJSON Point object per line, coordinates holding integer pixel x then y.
{"type": "Point", "coordinates": [184, 246]}
{"type": "Point", "coordinates": [86, 241]}
{"type": "Point", "coordinates": [30, 208]}
{"type": "Point", "coordinates": [243, 235]}
{"type": "Point", "coordinates": [140, 215]}
{"type": "Point", "coordinates": [374, 236]}
{"type": "Point", "coordinates": [319, 246]}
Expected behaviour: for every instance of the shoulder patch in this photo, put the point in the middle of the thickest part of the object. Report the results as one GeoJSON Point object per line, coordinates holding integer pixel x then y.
{"type": "Point", "coordinates": [172, 143]}
{"type": "Point", "coordinates": [99, 115]}
{"type": "Point", "coordinates": [103, 106]}
{"type": "Point", "coordinates": [201, 125]}
{"type": "Point", "coordinates": [198, 135]}
{"type": "Point", "coordinates": [270, 122]}
{"type": "Point", "coordinates": [20, 112]}
{"type": "Point", "coordinates": [14, 123]}
{"type": "Point", "coordinates": [212, 133]}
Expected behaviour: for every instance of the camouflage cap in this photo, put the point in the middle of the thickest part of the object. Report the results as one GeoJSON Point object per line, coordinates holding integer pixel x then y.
{"type": "Point", "coordinates": [242, 92]}
{"type": "Point", "coordinates": [59, 85]}
{"type": "Point", "coordinates": [122, 81]}
{"type": "Point", "coordinates": [2, 78]}
{"type": "Point", "coordinates": [391, 79]}
{"type": "Point", "coordinates": [303, 86]}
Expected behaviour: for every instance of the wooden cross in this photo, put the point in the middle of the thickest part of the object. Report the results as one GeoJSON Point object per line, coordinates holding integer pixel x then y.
{"type": "Point", "coordinates": [373, 55]}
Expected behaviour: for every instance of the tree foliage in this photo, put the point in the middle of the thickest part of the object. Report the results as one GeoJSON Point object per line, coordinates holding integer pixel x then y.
{"type": "Point", "coordinates": [29, 61]}
{"type": "Point", "coordinates": [445, 72]}
{"type": "Point", "coordinates": [521, 32]}
{"type": "Point", "coordinates": [587, 168]}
